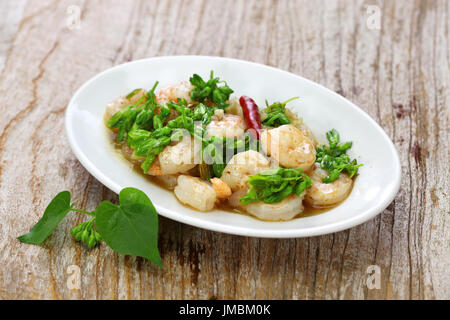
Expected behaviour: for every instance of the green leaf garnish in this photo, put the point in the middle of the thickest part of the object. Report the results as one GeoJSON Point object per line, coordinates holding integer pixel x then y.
{"type": "Point", "coordinates": [213, 90]}
{"type": "Point", "coordinates": [276, 114]}
{"type": "Point", "coordinates": [128, 228]}
{"type": "Point", "coordinates": [138, 116]}
{"type": "Point", "coordinates": [334, 159]}
{"type": "Point", "coordinates": [218, 151]}
{"type": "Point", "coordinates": [203, 113]}
{"type": "Point", "coordinates": [125, 119]}
{"type": "Point", "coordinates": [274, 185]}
{"type": "Point", "coordinates": [132, 93]}
{"type": "Point", "coordinates": [55, 212]}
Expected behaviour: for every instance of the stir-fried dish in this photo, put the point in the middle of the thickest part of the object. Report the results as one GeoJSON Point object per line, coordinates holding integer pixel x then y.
{"type": "Point", "coordinates": [213, 149]}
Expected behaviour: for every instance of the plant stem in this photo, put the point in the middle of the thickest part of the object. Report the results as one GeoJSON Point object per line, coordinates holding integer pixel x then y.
{"type": "Point", "coordinates": [82, 211]}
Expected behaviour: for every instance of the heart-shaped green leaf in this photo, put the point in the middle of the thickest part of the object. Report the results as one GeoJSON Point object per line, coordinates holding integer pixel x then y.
{"type": "Point", "coordinates": [130, 227]}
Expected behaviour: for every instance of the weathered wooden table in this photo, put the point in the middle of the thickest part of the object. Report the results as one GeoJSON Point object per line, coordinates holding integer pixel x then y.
{"type": "Point", "coordinates": [391, 59]}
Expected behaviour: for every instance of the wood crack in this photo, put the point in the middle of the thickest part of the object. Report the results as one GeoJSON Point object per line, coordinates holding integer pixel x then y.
{"type": "Point", "coordinates": [24, 112]}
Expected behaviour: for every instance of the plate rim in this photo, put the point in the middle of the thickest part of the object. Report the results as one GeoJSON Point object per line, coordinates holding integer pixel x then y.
{"type": "Point", "coordinates": [219, 227]}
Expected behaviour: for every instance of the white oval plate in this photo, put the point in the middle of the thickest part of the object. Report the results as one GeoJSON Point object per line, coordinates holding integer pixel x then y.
{"type": "Point", "coordinates": [321, 109]}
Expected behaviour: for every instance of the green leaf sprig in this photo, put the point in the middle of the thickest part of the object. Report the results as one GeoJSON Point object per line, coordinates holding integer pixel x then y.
{"type": "Point", "coordinates": [334, 158]}
{"type": "Point", "coordinates": [276, 113]}
{"type": "Point", "coordinates": [146, 129]}
{"type": "Point", "coordinates": [218, 151]}
{"type": "Point", "coordinates": [274, 185]}
{"type": "Point", "coordinates": [151, 143]}
{"type": "Point", "coordinates": [138, 116]}
{"type": "Point", "coordinates": [149, 136]}
{"type": "Point", "coordinates": [203, 113]}
{"type": "Point", "coordinates": [210, 90]}
{"type": "Point", "coordinates": [130, 228]}
{"type": "Point", "coordinates": [133, 93]}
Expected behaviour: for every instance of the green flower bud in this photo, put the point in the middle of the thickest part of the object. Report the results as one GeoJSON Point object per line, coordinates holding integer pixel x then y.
{"type": "Point", "coordinates": [74, 230]}
{"type": "Point", "coordinates": [85, 236]}
{"type": "Point", "coordinates": [78, 235]}
{"type": "Point", "coordinates": [91, 241]}
{"type": "Point", "coordinates": [98, 237]}
{"type": "Point", "coordinates": [78, 229]}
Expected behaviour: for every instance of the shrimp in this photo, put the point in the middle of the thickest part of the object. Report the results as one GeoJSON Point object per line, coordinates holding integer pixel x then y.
{"type": "Point", "coordinates": [234, 200]}
{"type": "Point", "coordinates": [284, 210]}
{"type": "Point", "coordinates": [241, 166]}
{"type": "Point", "coordinates": [218, 115]}
{"type": "Point", "coordinates": [299, 124]}
{"type": "Point", "coordinates": [120, 103]}
{"type": "Point", "coordinates": [289, 146]}
{"type": "Point", "coordinates": [155, 169]}
{"type": "Point", "coordinates": [178, 158]}
{"type": "Point", "coordinates": [195, 192]}
{"type": "Point", "coordinates": [322, 195]}
{"type": "Point", "coordinates": [130, 155]}
{"type": "Point", "coordinates": [172, 92]}
{"type": "Point", "coordinates": [234, 107]}
{"type": "Point", "coordinates": [222, 189]}
{"type": "Point", "coordinates": [227, 126]}
{"type": "Point", "coordinates": [169, 181]}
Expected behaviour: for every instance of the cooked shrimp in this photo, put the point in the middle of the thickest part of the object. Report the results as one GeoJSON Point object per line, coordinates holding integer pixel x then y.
{"type": "Point", "coordinates": [120, 103]}
{"type": "Point", "coordinates": [299, 124]}
{"type": "Point", "coordinates": [218, 115]}
{"type": "Point", "coordinates": [195, 192]}
{"type": "Point", "coordinates": [178, 158]}
{"type": "Point", "coordinates": [322, 195]}
{"type": "Point", "coordinates": [222, 189]}
{"type": "Point", "coordinates": [307, 133]}
{"type": "Point", "coordinates": [234, 107]}
{"type": "Point", "coordinates": [130, 155]}
{"type": "Point", "coordinates": [241, 166]}
{"type": "Point", "coordinates": [155, 169]}
{"type": "Point", "coordinates": [234, 200]}
{"type": "Point", "coordinates": [229, 126]}
{"type": "Point", "coordinates": [289, 146]}
{"type": "Point", "coordinates": [284, 210]}
{"type": "Point", "coordinates": [169, 181]}
{"type": "Point", "coordinates": [172, 92]}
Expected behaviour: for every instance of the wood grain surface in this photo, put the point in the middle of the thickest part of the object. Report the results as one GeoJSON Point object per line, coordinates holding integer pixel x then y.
{"type": "Point", "coordinates": [399, 73]}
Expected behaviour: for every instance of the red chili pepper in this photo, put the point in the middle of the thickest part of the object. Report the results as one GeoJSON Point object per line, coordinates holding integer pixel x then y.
{"type": "Point", "coordinates": [251, 115]}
